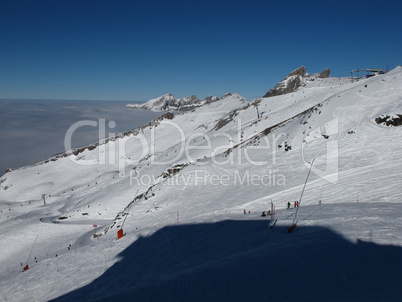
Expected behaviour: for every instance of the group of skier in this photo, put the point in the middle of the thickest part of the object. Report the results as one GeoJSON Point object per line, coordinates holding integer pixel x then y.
{"type": "Point", "coordinates": [268, 213]}
{"type": "Point", "coordinates": [295, 204]}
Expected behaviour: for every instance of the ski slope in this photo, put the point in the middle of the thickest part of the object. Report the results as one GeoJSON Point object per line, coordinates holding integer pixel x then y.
{"type": "Point", "coordinates": [180, 185]}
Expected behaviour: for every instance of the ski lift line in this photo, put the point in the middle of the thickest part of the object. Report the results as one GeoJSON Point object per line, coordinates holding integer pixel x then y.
{"type": "Point", "coordinates": [246, 123]}
{"type": "Point", "coordinates": [288, 216]}
{"type": "Point", "coordinates": [29, 257]}
{"type": "Point", "coordinates": [301, 195]}
{"type": "Point", "coordinates": [128, 210]}
{"type": "Point", "coordinates": [135, 196]}
{"type": "Point", "coordinates": [311, 214]}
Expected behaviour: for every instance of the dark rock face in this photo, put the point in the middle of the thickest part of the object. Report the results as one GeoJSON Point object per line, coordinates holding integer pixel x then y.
{"type": "Point", "coordinates": [289, 84]}
{"type": "Point", "coordinates": [175, 104]}
{"type": "Point", "coordinates": [301, 71]}
{"type": "Point", "coordinates": [294, 80]}
{"type": "Point", "coordinates": [167, 116]}
{"type": "Point", "coordinates": [325, 73]}
{"type": "Point", "coordinates": [388, 120]}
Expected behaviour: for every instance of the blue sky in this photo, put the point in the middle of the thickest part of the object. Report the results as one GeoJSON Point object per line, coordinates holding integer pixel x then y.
{"type": "Point", "coordinates": [137, 50]}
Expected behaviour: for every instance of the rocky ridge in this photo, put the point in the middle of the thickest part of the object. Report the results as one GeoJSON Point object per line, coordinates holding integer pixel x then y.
{"type": "Point", "coordinates": [295, 80]}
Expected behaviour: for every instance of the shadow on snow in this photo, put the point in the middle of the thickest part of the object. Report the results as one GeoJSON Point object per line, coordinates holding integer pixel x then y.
{"type": "Point", "coordinates": [247, 261]}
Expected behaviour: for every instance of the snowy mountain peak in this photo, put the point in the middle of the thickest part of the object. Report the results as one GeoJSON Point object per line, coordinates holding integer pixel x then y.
{"type": "Point", "coordinates": [154, 104]}
{"type": "Point", "coordinates": [168, 102]}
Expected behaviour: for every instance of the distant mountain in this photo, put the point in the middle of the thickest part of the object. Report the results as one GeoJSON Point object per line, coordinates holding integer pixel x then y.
{"type": "Point", "coordinates": [295, 80]}
{"type": "Point", "coordinates": [168, 102]}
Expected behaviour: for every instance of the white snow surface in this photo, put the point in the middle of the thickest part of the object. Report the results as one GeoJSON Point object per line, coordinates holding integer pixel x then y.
{"type": "Point", "coordinates": [168, 102]}
{"type": "Point", "coordinates": [180, 187]}
{"type": "Point", "coordinates": [154, 104]}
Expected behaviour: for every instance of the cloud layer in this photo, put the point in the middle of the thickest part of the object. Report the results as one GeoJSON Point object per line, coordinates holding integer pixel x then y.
{"type": "Point", "coordinates": [32, 130]}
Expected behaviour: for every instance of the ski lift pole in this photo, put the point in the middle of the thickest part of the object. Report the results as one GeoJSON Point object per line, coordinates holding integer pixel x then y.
{"type": "Point", "coordinates": [124, 220]}
{"type": "Point", "coordinates": [128, 210]}
{"type": "Point", "coordinates": [29, 257]}
{"type": "Point", "coordinates": [300, 199]}
{"type": "Point", "coordinates": [120, 232]}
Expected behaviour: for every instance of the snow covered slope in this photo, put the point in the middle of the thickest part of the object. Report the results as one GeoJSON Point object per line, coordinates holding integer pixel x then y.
{"type": "Point", "coordinates": [168, 102]}
{"type": "Point", "coordinates": [180, 186]}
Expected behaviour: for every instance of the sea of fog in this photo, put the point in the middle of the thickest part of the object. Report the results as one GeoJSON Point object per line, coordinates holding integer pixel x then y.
{"type": "Point", "coordinates": [33, 130]}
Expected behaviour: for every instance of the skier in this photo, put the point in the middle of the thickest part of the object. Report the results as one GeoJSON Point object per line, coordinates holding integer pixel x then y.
{"type": "Point", "coordinates": [288, 205]}
{"type": "Point", "coordinates": [244, 211]}
{"type": "Point", "coordinates": [263, 214]}
{"type": "Point", "coordinates": [295, 204]}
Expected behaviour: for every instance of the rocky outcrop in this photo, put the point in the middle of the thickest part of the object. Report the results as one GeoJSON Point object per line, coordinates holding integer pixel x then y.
{"type": "Point", "coordinates": [289, 84]}
{"type": "Point", "coordinates": [389, 120]}
{"type": "Point", "coordinates": [294, 81]}
{"type": "Point", "coordinates": [301, 71]}
{"type": "Point", "coordinates": [325, 73]}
